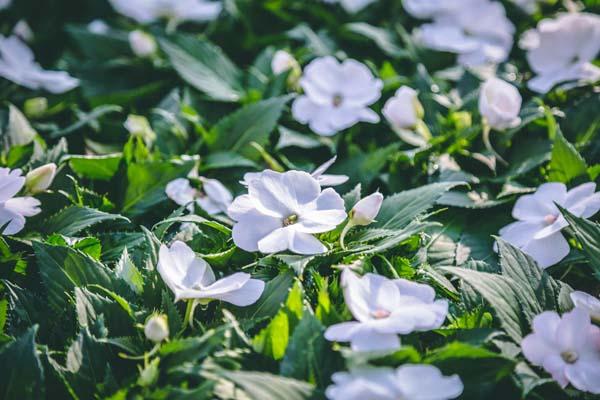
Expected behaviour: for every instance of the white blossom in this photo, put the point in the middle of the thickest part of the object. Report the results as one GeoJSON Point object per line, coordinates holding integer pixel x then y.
{"type": "Point", "coordinates": [561, 50]}
{"type": "Point", "coordinates": [500, 104]}
{"type": "Point", "coordinates": [588, 303]}
{"type": "Point", "coordinates": [403, 110]}
{"type": "Point", "coordinates": [142, 44]}
{"type": "Point", "coordinates": [191, 278]}
{"type": "Point", "coordinates": [176, 11]}
{"type": "Point", "coordinates": [408, 382]}
{"type": "Point", "coordinates": [213, 197]}
{"type": "Point", "coordinates": [477, 30]}
{"type": "Point", "coordinates": [5, 4]}
{"type": "Point", "coordinates": [385, 308]}
{"type": "Point", "coordinates": [568, 348]}
{"type": "Point", "coordinates": [336, 95]}
{"type": "Point", "coordinates": [98, 27]}
{"type": "Point", "coordinates": [282, 211]}
{"type": "Point", "coordinates": [13, 210]}
{"type": "Point", "coordinates": [39, 179]}
{"type": "Point", "coordinates": [319, 174]}
{"type": "Point", "coordinates": [156, 328]}
{"type": "Point", "coordinates": [537, 231]}
{"type": "Point", "coordinates": [17, 64]}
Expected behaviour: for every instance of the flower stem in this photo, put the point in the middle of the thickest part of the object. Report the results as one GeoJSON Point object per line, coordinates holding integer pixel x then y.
{"type": "Point", "coordinates": [346, 229]}
{"type": "Point", "coordinates": [488, 144]}
{"type": "Point", "coordinates": [188, 319]}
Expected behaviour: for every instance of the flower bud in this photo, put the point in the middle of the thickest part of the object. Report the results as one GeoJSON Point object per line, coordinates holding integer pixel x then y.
{"type": "Point", "coordinates": [364, 212]}
{"type": "Point", "coordinates": [157, 328]}
{"type": "Point", "coordinates": [35, 107]}
{"type": "Point", "coordinates": [404, 110]}
{"type": "Point", "coordinates": [98, 27]}
{"type": "Point", "coordinates": [19, 130]}
{"type": "Point", "coordinates": [23, 30]}
{"type": "Point", "coordinates": [500, 104]}
{"type": "Point", "coordinates": [138, 125]}
{"type": "Point", "coordinates": [142, 44]}
{"type": "Point", "coordinates": [39, 179]}
{"type": "Point", "coordinates": [284, 61]}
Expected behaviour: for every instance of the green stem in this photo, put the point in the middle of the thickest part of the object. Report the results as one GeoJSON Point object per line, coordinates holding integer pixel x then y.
{"type": "Point", "coordinates": [488, 144]}
{"type": "Point", "coordinates": [189, 314]}
{"type": "Point", "coordinates": [346, 229]}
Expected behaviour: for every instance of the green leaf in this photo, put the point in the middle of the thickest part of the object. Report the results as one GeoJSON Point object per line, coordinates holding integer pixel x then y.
{"type": "Point", "coordinates": [102, 167]}
{"type": "Point", "coordinates": [22, 372]}
{"type": "Point", "coordinates": [269, 303]}
{"type": "Point", "coordinates": [588, 234]}
{"type": "Point", "coordinates": [204, 66]}
{"type": "Point", "coordinates": [126, 270]}
{"type": "Point", "coordinates": [62, 269]}
{"type": "Point", "coordinates": [264, 386]}
{"type": "Point", "coordinates": [73, 220]}
{"type": "Point", "coordinates": [87, 364]}
{"type": "Point", "coordinates": [400, 209]}
{"type": "Point", "coordinates": [566, 163]}
{"type": "Point", "coordinates": [382, 38]}
{"type": "Point", "coordinates": [252, 123]}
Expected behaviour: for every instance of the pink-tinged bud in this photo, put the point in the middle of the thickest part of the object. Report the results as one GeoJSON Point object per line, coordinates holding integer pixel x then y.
{"type": "Point", "coordinates": [157, 328]}
{"type": "Point", "coordinates": [364, 212]}
{"type": "Point", "coordinates": [40, 179]}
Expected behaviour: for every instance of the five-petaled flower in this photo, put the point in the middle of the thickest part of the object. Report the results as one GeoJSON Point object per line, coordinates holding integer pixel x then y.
{"type": "Point", "coordinates": [17, 64]}
{"type": "Point", "coordinates": [282, 211]}
{"type": "Point", "coordinates": [13, 210]}
{"type": "Point", "coordinates": [192, 278]}
{"type": "Point", "coordinates": [537, 231]}
{"type": "Point", "coordinates": [385, 308]}
{"type": "Point", "coordinates": [213, 197]}
{"type": "Point", "coordinates": [336, 95]}
{"type": "Point", "coordinates": [409, 381]}
{"type": "Point", "coordinates": [568, 347]}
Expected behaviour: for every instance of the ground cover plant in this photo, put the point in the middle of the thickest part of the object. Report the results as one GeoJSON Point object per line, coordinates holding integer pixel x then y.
{"type": "Point", "coordinates": [299, 199]}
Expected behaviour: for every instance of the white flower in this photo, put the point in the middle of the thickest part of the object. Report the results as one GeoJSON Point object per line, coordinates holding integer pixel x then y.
{"type": "Point", "coordinates": [336, 95]}
{"type": "Point", "coordinates": [385, 308]}
{"type": "Point", "coordinates": [408, 382]}
{"type": "Point", "coordinates": [529, 6]}
{"type": "Point", "coordinates": [364, 212]}
{"type": "Point", "coordinates": [146, 11]}
{"type": "Point", "coordinates": [282, 211]}
{"type": "Point", "coordinates": [157, 328]}
{"type": "Point", "coordinates": [403, 111]}
{"type": "Point", "coordinates": [5, 4]}
{"type": "Point", "coordinates": [17, 64]}
{"type": "Point", "coordinates": [191, 278]}
{"type": "Point", "coordinates": [142, 44]}
{"type": "Point", "coordinates": [537, 231]}
{"type": "Point", "coordinates": [98, 27]}
{"type": "Point", "coordinates": [13, 210]}
{"type": "Point", "coordinates": [568, 348]}
{"type": "Point", "coordinates": [500, 104]}
{"type": "Point", "coordinates": [283, 61]}
{"type": "Point", "coordinates": [23, 30]}
{"type": "Point", "coordinates": [562, 49]}
{"type": "Point", "coordinates": [213, 197]}
{"type": "Point", "coordinates": [352, 6]}
{"type": "Point", "coordinates": [40, 179]}
{"type": "Point", "coordinates": [477, 30]}
{"type": "Point", "coordinates": [588, 303]}
{"type": "Point", "coordinates": [319, 174]}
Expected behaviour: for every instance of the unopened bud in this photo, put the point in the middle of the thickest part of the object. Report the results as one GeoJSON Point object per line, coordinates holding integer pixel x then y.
{"type": "Point", "coordinates": [283, 62]}
{"type": "Point", "coordinates": [142, 44]}
{"type": "Point", "coordinates": [36, 107]}
{"type": "Point", "coordinates": [364, 212]}
{"type": "Point", "coordinates": [157, 328]}
{"type": "Point", "coordinates": [138, 125]}
{"type": "Point", "coordinates": [40, 179]}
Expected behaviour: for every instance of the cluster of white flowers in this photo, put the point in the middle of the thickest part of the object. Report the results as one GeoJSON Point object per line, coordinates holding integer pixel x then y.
{"type": "Point", "coordinates": [17, 64]}
{"type": "Point", "coordinates": [176, 11]}
{"type": "Point", "coordinates": [568, 347]}
{"type": "Point", "coordinates": [477, 30]}
{"type": "Point", "coordinates": [538, 229]}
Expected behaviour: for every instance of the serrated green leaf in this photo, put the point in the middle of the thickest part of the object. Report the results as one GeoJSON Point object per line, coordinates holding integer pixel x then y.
{"type": "Point", "coordinates": [588, 234]}
{"type": "Point", "coordinates": [102, 167]}
{"type": "Point", "coordinates": [126, 270]}
{"type": "Point", "coordinates": [566, 163]}
{"type": "Point", "coordinates": [73, 220]}
{"type": "Point", "coordinates": [265, 386]}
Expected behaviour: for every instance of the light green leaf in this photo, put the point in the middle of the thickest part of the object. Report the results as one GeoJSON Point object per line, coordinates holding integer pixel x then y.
{"type": "Point", "coordinates": [588, 234]}
{"type": "Point", "coordinates": [102, 167]}
{"type": "Point", "coordinates": [126, 270]}
{"type": "Point", "coordinates": [566, 163]}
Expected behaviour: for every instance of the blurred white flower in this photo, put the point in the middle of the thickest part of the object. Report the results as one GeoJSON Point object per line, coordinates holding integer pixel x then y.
{"type": "Point", "coordinates": [5, 4]}
{"type": "Point", "coordinates": [282, 211]}
{"type": "Point", "coordinates": [283, 61]}
{"type": "Point", "coordinates": [352, 6]}
{"type": "Point", "coordinates": [562, 50]}
{"type": "Point", "coordinates": [23, 31]}
{"type": "Point", "coordinates": [364, 212]}
{"type": "Point", "coordinates": [529, 6]}
{"type": "Point", "coordinates": [537, 231]}
{"type": "Point", "coordinates": [176, 11]}
{"type": "Point", "coordinates": [156, 328]}
{"type": "Point", "coordinates": [39, 179]}
{"type": "Point", "coordinates": [213, 197]}
{"type": "Point", "coordinates": [477, 30]}
{"type": "Point", "coordinates": [142, 44]}
{"type": "Point", "coordinates": [404, 110]}
{"type": "Point", "coordinates": [98, 27]}
{"type": "Point", "coordinates": [336, 95]}
{"type": "Point", "coordinates": [588, 303]}
{"type": "Point", "coordinates": [568, 348]}
{"type": "Point", "coordinates": [500, 104]}
{"type": "Point", "coordinates": [385, 308]}
{"type": "Point", "coordinates": [319, 174]}
{"type": "Point", "coordinates": [13, 210]}
{"type": "Point", "coordinates": [19, 131]}
{"type": "Point", "coordinates": [17, 64]}
{"type": "Point", "coordinates": [191, 278]}
{"type": "Point", "coordinates": [408, 382]}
